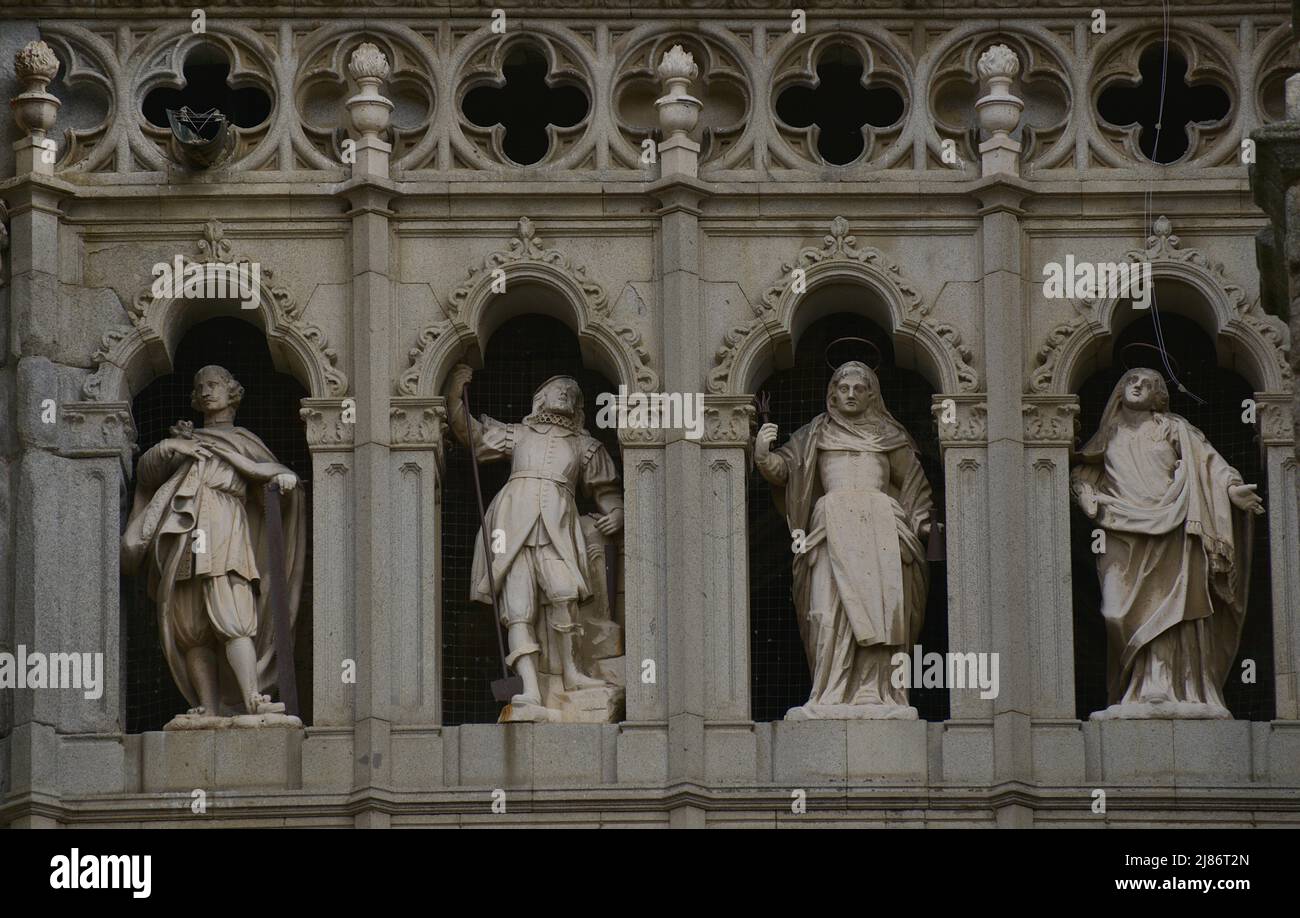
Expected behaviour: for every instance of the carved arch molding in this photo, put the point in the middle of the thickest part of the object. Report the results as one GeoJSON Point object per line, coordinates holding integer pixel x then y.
{"type": "Point", "coordinates": [131, 355]}
{"type": "Point", "coordinates": [526, 261]}
{"type": "Point", "coordinates": [1263, 340]}
{"type": "Point", "coordinates": [937, 347]}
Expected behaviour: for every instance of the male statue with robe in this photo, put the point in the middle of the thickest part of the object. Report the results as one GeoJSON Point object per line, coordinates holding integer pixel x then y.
{"type": "Point", "coordinates": [197, 528]}
{"type": "Point", "coordinates": [855, 497]}
{"type": "Point", "coordinates": [541, 565]}
{"type": "Point", "coordinates": [1176, 561]}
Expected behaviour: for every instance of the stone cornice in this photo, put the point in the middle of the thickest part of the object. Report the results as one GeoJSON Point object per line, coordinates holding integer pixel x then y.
{"type": "Point", "coordinates": [682, 9]}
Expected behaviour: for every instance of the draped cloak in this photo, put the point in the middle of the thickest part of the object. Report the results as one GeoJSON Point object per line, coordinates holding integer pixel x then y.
{"type": "Point", "coordinates": [1178, 550]}
{"type": "Point", "coordinates": [169, 505]}
{"type": "Point", "coordinates": [880, 571]}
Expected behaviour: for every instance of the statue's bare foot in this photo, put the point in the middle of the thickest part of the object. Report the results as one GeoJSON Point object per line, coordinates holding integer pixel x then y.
{"type": "Point", "coordinates": [199, 711]}
{"type": "Point", "coordinates": [580, 680]}
{"type": "Point", "coordinates": [262, 704]}
{"type": "Point", "coordinates": [527, 698]}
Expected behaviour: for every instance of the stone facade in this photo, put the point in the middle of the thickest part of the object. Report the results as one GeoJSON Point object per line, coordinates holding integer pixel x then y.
{"type": "Point", "coordinates": [382, 219]}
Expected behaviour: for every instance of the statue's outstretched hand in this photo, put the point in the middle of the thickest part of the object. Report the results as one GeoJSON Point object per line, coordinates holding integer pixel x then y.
{"type": "Point", "coordinates": [1244, 497]}
{"type": "Point", "coordinates": [763, 442]}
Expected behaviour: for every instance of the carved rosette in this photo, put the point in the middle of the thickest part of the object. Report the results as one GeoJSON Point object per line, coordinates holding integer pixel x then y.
{"type": "Point", "coordinates": [1051, 420]}
{"type": "Point", "coordinates": [330, 423]}
{"type": "Point", "coordinates": [962, 419]}
{"type": "Point", "coordinates": [728, 421]}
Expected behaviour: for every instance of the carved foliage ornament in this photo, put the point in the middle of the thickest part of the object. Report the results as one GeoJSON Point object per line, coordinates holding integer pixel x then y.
{"type": "Point", "coordinates": [1163, 247]}
{"type": "Point", "coordinates": [285, 318]}
{"type": "Point", "coordinates": [527, 248]}
{"type": "Point", "coordinates": [842, 248]}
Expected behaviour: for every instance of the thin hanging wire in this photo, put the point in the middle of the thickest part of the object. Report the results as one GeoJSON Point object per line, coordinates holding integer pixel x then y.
{"type": "Point", "coordinates": [1160, 118]}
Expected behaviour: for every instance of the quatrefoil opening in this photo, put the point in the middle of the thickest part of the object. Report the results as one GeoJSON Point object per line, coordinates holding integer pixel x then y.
{"type": "Point", "coordinates": [841, 108]}
{"type": "Point", "coordinates": [527, 105]}
{"type": "Point", "coordinates": [1167, 128]}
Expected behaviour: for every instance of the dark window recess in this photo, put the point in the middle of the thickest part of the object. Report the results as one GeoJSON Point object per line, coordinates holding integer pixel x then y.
{"type": "Point", "coordinates": [270, 410]}
{"type": "Point", "coordinates": [1164, 136]}
{"type": "Point", "coordinates": [522, 354]}
{"type": "Point", "coordinates": [207, 73]}
{"type": "Point", "coordinates": [1219, 418]}
{"type": "Point", "coordinates": [525, 105]}
{"type": "Point", "coordinates": [839, 105]}
{"type": "Point", "coordinates": [779, 676]}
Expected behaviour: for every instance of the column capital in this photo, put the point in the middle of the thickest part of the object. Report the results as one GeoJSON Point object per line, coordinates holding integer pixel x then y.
{"type": "Point", "coordinates": [331, 423]}
{"type": "Point", "coordinates": [727, 421]}
{"type": "Point", "coordinates": [1050, 420]}
{"type": "Point", "coordinates": [962, 419]}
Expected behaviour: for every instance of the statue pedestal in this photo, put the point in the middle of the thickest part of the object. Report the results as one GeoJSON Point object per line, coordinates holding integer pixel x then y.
{"type": "Point", "coordinates": [852, 712]}
{"type": "Point", "coordinates": [603, 705]}
{"type": "Point", "coordinates": [1167, 710]}
{"type": "Point", "coordinates": [238, 721]}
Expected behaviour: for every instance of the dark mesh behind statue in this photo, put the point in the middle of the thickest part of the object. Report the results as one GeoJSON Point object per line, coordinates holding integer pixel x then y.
{"type": "Point", "coordinates": [523, 353]}
{"type": "Point", "coordinates": [270, 410]}
{"type": "Point", "coordinates": [1219, 418]}
{"type": "Point", "coordinates": [780, 678]}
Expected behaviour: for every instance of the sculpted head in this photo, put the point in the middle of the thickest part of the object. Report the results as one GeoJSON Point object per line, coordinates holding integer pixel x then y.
{"type": "Point", "coordinates": [559, 395]}
{"type": "Point", "coordinates": [1144, 390]}
{"type": "Point", "coordinates": [215, 389]}
{"type": "Point", "coordinates": [853, 390]}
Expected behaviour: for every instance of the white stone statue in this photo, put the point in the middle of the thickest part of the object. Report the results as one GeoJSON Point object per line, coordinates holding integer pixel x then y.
{"type": "Point", "coordinates": [1176, 560]}
{"type": "Point", "coordinates": [544, 569]}
{"type": "Point", "coordinates": [851, 484]}
{"type": "Point", "coordinates": [197, 527]}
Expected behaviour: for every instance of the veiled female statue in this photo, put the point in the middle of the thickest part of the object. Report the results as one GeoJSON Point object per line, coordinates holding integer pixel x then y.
{"type": "Point", "coordinates": [1176, 564]}
{"type": "Point", "coordinates": [855, 497]}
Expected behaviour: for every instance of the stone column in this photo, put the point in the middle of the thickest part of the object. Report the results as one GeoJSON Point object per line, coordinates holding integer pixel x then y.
{"type": "Point", "coordinates": [1057, 740]}
{"type": "Point", "coordinates": [680, 194]}
{"type": "Point", "coordinates": [643, 735]}
{"type": "Point", "coordinates": [1275, 182]}
{"type": "Point", "coordinates": [66, 588]}
{"type": "Point", "coordinates": [334, 640]}
{"type": "Point", "coordinates": [1004, 336]}
{"type": "Point", "coordinates": [1277, 436]}
{"type": "Point", "coordinates": [368, 194]}
{"type": "Point", "coordinates": [1000, 195]}
{"type": "Point", "coordinates": [416, 465]}
{"type": "Point", "coordinates": [968, 733]}
{"type": "Point", "coordinates": [730, 746]}
{"type": "Point", "coordinates": [63, 460]}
